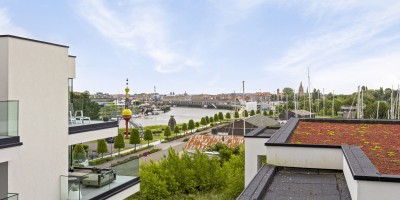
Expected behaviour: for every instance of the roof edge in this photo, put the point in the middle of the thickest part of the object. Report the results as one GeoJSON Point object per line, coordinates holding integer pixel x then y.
{"type": "Point", "coordinates": [33, 40]}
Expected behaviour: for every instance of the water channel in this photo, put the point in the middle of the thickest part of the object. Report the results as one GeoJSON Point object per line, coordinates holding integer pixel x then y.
{"type": "Point", "coordinates": [181, 115]}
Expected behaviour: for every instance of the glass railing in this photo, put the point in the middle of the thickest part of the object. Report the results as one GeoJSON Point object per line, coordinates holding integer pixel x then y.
{"type": "Point", "coordinates": [8, 118]}
{"type": "Point", "coordinates": [11, 196]}
{"type": "Point", "coordinates": [86, 182]}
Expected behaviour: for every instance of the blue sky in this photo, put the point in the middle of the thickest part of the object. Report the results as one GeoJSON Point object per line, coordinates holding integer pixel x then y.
{"type": "Point", "coordinates": [211, 46]}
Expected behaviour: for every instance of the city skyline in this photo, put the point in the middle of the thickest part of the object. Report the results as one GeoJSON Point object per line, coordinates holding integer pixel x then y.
{"type": "Point", "coordinates": [211, 46]}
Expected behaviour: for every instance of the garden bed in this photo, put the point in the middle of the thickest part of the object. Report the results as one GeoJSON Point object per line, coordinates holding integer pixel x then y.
{"type": "Point", "coordinates": [380, 142]}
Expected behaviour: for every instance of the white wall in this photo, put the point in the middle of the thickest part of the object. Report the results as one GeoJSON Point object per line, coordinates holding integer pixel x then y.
{"type": "Point", "coordinates": [370, 190]}
{"type": "Point", "coordinates": [3, 69]}
{"type": "Point", "coordinates": [306, 157]}
{"type": "Point", "coordinates": [38, 78]}
{"type": "Point", "coordinates": [92, 135]}
{"type": "Point", "coordinates": [253, 148]}
{"type": "Point", "coordinates": [351, 183]}
{"type": "Point", "coordinates": [126, 193]}
{"type": "Point", "coordinates": [9, 154]}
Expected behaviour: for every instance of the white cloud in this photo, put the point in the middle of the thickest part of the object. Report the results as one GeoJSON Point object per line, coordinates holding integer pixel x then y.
{"type": "Point", "coordinates": [145, 31]}
{"type": "Point", "coordinates": [374, 72]}
{"type": "Point", "coordinates": [334, 45]}
{"type": "Point", "coordinates": [7, 27]}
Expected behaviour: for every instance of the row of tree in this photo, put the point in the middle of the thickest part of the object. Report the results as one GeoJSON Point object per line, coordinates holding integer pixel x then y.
{"type": "Point", "coordinates": [330, 104]}
{"type": "Point", "coordinates": [176, 175]}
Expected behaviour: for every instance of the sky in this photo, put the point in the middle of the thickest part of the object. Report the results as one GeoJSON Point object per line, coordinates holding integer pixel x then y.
{"type": "Point", "coordinates": [211, 46]}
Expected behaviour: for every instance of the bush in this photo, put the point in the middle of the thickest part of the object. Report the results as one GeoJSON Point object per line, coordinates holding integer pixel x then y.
{"type": "Point", "coordinates": [105, 119]}
{"type": "Point", "coordinates": [167, 132]}
{"type": "Point", "coordinates": [102, 146]}
{"type": "Point", "coordinates": [186, 139]}
{"type": "Point", "coordinates": [119, 142]}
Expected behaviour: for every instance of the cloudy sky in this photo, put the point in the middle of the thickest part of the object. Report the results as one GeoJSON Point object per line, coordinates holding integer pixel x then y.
{"type": "Point", "coordinates": [211, 46]}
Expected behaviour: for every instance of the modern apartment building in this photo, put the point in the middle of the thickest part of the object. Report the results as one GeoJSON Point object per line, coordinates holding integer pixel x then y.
{"type": "Point", "coordinates": [36, 134]}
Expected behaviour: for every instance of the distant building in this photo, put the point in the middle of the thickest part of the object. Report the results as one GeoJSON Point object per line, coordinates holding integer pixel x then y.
{"type": "Point", "coordinates": [296, 113]}
{"type": "Point", "coordinates": [348, 112]}
{"type": "Point", "coordinates": [301, 90]}
{"type": "Point", "coordinates": [252, 123]}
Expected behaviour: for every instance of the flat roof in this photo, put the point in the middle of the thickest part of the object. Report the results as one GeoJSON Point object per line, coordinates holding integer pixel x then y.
{"type": "Point", "coordinates": [273, 182]}
{"type": "Point", "coordinates": [33, 40]}
{"type": "Point", "coordinates": [262, 132]}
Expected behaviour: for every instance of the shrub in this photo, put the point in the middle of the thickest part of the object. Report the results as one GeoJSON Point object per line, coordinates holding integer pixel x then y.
{"type": "Point", "coordinates": [220, 116]}
{"type": "Point", "coordinates": [228, 115]}
{"type": "Point", "coordinates": [167, 132]}
{"type": "Point", "coordinates": [236, 114]}
{"type": "Point", "coordinates": [252, 113]}
{"type": "Point", "coordinates": [184, 127]}
{"type": "Point", "coordinates": [191, 125]}
{"type": "Point", "coordinates": [207, 119]}
{"type": "Point", "coordinates": [176, 131]}
{"type": "Point", "coordinates": [148, 136]}
{"type": "Point", "coordinates": [216, 118]}
{"type": "Point", "coordinates": [203, 121]}
{"type": "Point", "coordinates": [135, 137]}
{"type": "Point", "coordinates": [79, 152]}
{"type": "Point", "coordinates": [102, 147]}
{"type": "Point", "coordinates": [119, 142]}
{"type": "Point", "coordinates": [211, 120]}
{"type": "Point", "coordinates": [258, 112]}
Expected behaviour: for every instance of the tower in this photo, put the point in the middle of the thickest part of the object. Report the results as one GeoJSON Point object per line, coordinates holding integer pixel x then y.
{"type": "Point", "coordinates": [126, 113]}
{"type": "Point", "coordinates": [301, 89]}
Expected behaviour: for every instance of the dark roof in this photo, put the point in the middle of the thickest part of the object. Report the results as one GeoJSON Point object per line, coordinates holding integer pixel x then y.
{"type": "Point", "coordinates": [301, 112]}
{"type": "Point", "coordinates": [261, 120]}
{"type": "Point", "coordinates": [262, 132]}
{"type": "Point", "coordinates": [296, 183]}
{"type": "Point", "coordinates": [33, 40]}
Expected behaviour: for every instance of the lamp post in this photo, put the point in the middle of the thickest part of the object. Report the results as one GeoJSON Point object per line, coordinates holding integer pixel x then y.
{"type": "Point", "coordinates": [126, 113]}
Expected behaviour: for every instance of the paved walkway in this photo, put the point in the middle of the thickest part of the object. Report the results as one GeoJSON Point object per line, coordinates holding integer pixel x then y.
{"type": "Point", "coordinates": [178, 145]}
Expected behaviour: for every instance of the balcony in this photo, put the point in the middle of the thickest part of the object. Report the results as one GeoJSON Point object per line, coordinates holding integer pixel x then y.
{"type": "Point", "coordinates": [11, 196]}
{"type": "Point", "coordinates": [98, 182]}
{"type": "Point", "coordinates": [9, 130]}
{"type": "Point", "coordinates": [86, 122]}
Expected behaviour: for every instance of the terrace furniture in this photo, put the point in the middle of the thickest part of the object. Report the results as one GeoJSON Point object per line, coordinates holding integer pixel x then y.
{"type": "Point", "coordinates": [79, 116]}
{"type": "Point", "coordinates": [99, 177]}
{"type": "Point", "coordinates": [72, 119]}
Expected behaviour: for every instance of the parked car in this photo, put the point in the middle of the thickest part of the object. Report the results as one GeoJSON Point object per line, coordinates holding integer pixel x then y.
{"type": "Point", "coordinates": [110, 140]}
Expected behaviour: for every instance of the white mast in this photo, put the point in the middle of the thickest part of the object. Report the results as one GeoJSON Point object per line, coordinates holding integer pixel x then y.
{"type": "Point", "coordinates": [358, 102]}
{"type": "Point", "coordinates": [333, 103]}
{"type": "Point", "coordinates": [295, 101]}
{"type": "Point", "coordinates": [377, 110]}
{"type": "Point", "coordinates": [323, 102]}
{"type": "Point", "coordinates": [362, 103]}
{"type": "Point", "coordinates": [309, 90]}
{"type": "Point", "coordinates": [391, 105]}
{"type": "Point", "coordinates": [244, 115]}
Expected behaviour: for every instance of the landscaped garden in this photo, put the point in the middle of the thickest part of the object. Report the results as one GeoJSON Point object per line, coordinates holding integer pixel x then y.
{"type": "Point", "coordinates": [380, 142]}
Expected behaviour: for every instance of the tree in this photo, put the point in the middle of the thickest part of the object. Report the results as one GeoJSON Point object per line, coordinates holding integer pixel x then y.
{"type": "Point", "coordinates": [119, 142]}
{"type": "Point", "coordinates": [252, 113]}
{"type": "Point", "coordinates": [135, 137]}
{"type": "Point", "coordinates": [176, 131]}
{"type": "Point", "coordinates": [203, 121]}
{"type": "Point", "coordinates": [81, 101]}
{"type": "Point", "coordinates": [246, 114]}
{"type": "Point", "coordinates": [235, 179]}
{"type": "Point", "coordinates": [102, 147]}
{"type": "Point", "coordinates": [258, 112]}
{"type": "Point", "coordinates": [228, 115]}
{"type": "Point", "coordinates": [265, 113]}
{"type": "Point", "coordinates": [236, 114]}
{"type": "Point", "coordinates": [197, 124]}
{"type": "Point", "coordinates": [191, 125]}
{"type": "Point", "coordinates": [220, 116]}
{"type": "Point", "coordinates": [216, 118]}
{"type": "Point", "coordinates": [167, 132]}
{"type": "Point", "coordinates": [79, 153]}
{"type": "Point", "coordinates": [207, 119]}
{"type": "Point", "coordinates": [271, 112]}
{"type": "Point", "coordinates": [148, 135]}
{"type": "Point", "coordinates": [211, 120]}
{"type": "Point", "coordinates": [184, 127]}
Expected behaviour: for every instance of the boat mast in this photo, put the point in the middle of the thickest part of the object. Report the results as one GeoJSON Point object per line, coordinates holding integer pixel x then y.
{"type": "Point", "coordinates": [391, 105]}
{"type": "Point", "coordinates": [244, 115]}
{"type": "Point", "coordinates": [323, 102]}
{"type": "Point", "coordinates": [377, 110]}
{"type": "Point", "coordinates": [309, 90]}
{"type": "Point", "coordinates": [333, 104]}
